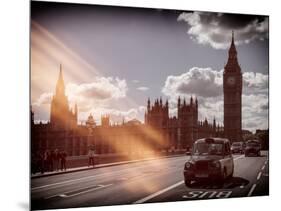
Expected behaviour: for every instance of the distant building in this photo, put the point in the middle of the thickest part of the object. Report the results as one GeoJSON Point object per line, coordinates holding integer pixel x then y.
{"type": "Point", "coordinates": [62, 132]}
{"type": "Point", "coordinates": [181, 131]}
{"type": "Point", "coordinates": [159, 132]}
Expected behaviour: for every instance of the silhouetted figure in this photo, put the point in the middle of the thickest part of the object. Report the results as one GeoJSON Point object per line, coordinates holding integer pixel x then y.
{"type": "Point", "coordinates": [42, 162]}
{"type": "Point", "coordinates": [63, 156]}
{"type": "Point", "coordinates": [46, 161]}
{"type": "Point", "coordinates": [33, 163]}
{"type": "Point", "coordinates": [91, 156]}
{"type": "Point", "coordinates": [51, 161]}
{"type": "Point", "coordinates": [56, 159]}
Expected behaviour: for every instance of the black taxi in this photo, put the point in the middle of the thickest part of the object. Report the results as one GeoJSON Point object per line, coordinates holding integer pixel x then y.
{"type": "Point", "coordinates": [211, 159]}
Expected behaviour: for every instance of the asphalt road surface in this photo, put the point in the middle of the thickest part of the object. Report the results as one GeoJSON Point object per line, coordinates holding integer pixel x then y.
{"type": "Point", "coordinates": [159, 180]}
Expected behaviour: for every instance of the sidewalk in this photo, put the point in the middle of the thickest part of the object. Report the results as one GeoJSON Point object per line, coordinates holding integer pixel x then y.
{"type": "Point", "coordinates": [84, 168]}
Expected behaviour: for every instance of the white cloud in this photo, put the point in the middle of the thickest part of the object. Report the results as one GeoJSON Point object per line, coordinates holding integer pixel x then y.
{"type": "Point", "coordinates": [44, 99]}
{"type": "Point", "coordinates": [206, 84]}
{"type": "Point", "coordinates": [142, 88]}
{"type": "Point", "coordinates": [100, 89]}
{"type": "Point", "coordinates": [214, 29]}
{"type": "Point", "coordinates": [255, 83]}
{"type": "Point", "coordinates": [203, 82]}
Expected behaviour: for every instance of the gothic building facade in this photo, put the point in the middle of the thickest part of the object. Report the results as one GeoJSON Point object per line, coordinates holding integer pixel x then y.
{"type": "Point", "coordinates": [61, 116]}
{"type": "Point", "coordinates": [181, 131]}
{"type": "Point", "coordinates": [159, 131]}
{"type": "Point", "coordinates": [62, 131]}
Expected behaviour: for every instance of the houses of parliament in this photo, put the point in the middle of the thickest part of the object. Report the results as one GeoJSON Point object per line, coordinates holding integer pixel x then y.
{"type": "Point", "coordinates": [158, 132]}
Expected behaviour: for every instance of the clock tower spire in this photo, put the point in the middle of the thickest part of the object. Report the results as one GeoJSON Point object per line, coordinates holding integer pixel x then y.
{"type": "Point", "coordinates": [232, 89]}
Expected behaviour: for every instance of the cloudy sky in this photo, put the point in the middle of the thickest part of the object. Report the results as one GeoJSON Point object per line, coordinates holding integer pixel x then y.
{"type": "Point", "coordinates": [114, 58]}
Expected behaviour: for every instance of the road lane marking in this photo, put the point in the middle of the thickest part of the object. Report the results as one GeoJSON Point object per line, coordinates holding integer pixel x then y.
{"type": "Point", "coordinates": [89, 177]}
{"type": "Point", "coordinates": [86, 191]}
{"type": "Point", "coordinates": [158, 193]}
{"type": "Point", "coordinates": [263, 167]}
{"type": "Point", "coordinates": [252, 190]}
{"type": "Point", "coordinates": [236, 158]}
{"type": "Point", "coordinates": [259, 176]}
{"type": "Point", "coordinates": [65, 195]}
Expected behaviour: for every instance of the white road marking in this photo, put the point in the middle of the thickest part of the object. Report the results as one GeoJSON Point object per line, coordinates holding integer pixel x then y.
{"type": "Point", "coordinates": [241, 156]}
{"type": "Point", "coordinates": [259, 176]}
{"type": "Point", "coordinates": [158, 193]}
{"type": "Point", "coordinates": [86, 191]}
{"type": "Point", "coordinates": [85, 178]}
{"type": "Point", "coordinates": [263, 167]}
{"type": "Point", "coordinates": [67, 181]}
{"type": "Point", "coordinates": [252, 189]}
{"type": "Point", "coordinates": [64, 195]}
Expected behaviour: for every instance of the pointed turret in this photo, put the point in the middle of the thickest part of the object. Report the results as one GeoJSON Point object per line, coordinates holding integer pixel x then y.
{"type": "Point", "coordinates": [214, 123]}
{"type": "Point", "coordinates": [76, 111]}
{"type": "Point", "coordinates": [232, 49]}
{"type": "Point", "coordinates": [191, 100]}
{"type": "Point", "coordinates": [148, 105]}
{"type": "Point", "coordinates": [60, 89]}
{"type": "Point", "coordinates": [232, 64]}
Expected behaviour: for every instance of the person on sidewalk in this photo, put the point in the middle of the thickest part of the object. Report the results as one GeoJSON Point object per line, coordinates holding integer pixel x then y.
{"type": "Point", "coordinates": [56, 160]}
{"type": "Point", "coordinates": [46, 161]}
{"type": "Point", "coordinates": [91, 156]}
{"type": "Point", "coordinates": [63, 156]}
{"type": "Point", "coordinates": [51, 160]}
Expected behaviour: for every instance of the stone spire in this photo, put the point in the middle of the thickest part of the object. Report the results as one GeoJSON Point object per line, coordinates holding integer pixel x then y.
{"type": "Point", "coordinates": [60, 88]}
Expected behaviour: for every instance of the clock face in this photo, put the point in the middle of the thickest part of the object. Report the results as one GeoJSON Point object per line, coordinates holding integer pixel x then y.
{"type": "Point", "coordinates": [231, 80]}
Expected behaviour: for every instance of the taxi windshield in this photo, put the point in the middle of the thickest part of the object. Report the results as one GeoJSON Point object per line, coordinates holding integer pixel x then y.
{"type": "Point", "coordinates": [208, 149]}
{"type": "Point", "coordinates": [253, 144]}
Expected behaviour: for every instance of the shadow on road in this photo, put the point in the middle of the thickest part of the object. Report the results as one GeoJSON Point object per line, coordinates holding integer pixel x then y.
{"type": "Point", "coordinates": [227, 184]}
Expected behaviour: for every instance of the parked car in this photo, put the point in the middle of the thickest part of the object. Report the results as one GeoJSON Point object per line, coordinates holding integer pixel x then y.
{"type": "Point", "coordinates": [253, 147]}
{"type": "Point", "coordinates": [237, 147]}
{"type": "Point", "coordinates": [211, 158]}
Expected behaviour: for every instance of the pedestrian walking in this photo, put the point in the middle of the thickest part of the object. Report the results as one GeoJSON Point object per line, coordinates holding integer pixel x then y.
{"type": "Point", "coordinates": [56, 160]}
{"type": "Point", "coordinates": [46, 159]}
{"type": "Point", "coordinates": [51, 160]}
{"type": "Point", "coordinates": [63, 156]}
{"type": "Point", "coordinates": [91, 157]}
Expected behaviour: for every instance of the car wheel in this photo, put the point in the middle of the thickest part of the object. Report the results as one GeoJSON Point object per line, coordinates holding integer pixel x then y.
{"type": "Point", "coordinates": [222, 178]}
{"type": "Point", "coordinates": [232, 171]}
{"type": "Point", "coordinates": [187, 182]}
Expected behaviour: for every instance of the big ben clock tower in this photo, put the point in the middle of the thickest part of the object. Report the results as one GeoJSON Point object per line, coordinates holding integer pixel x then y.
{"type": "Point", "coordinates": [232, 91]}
